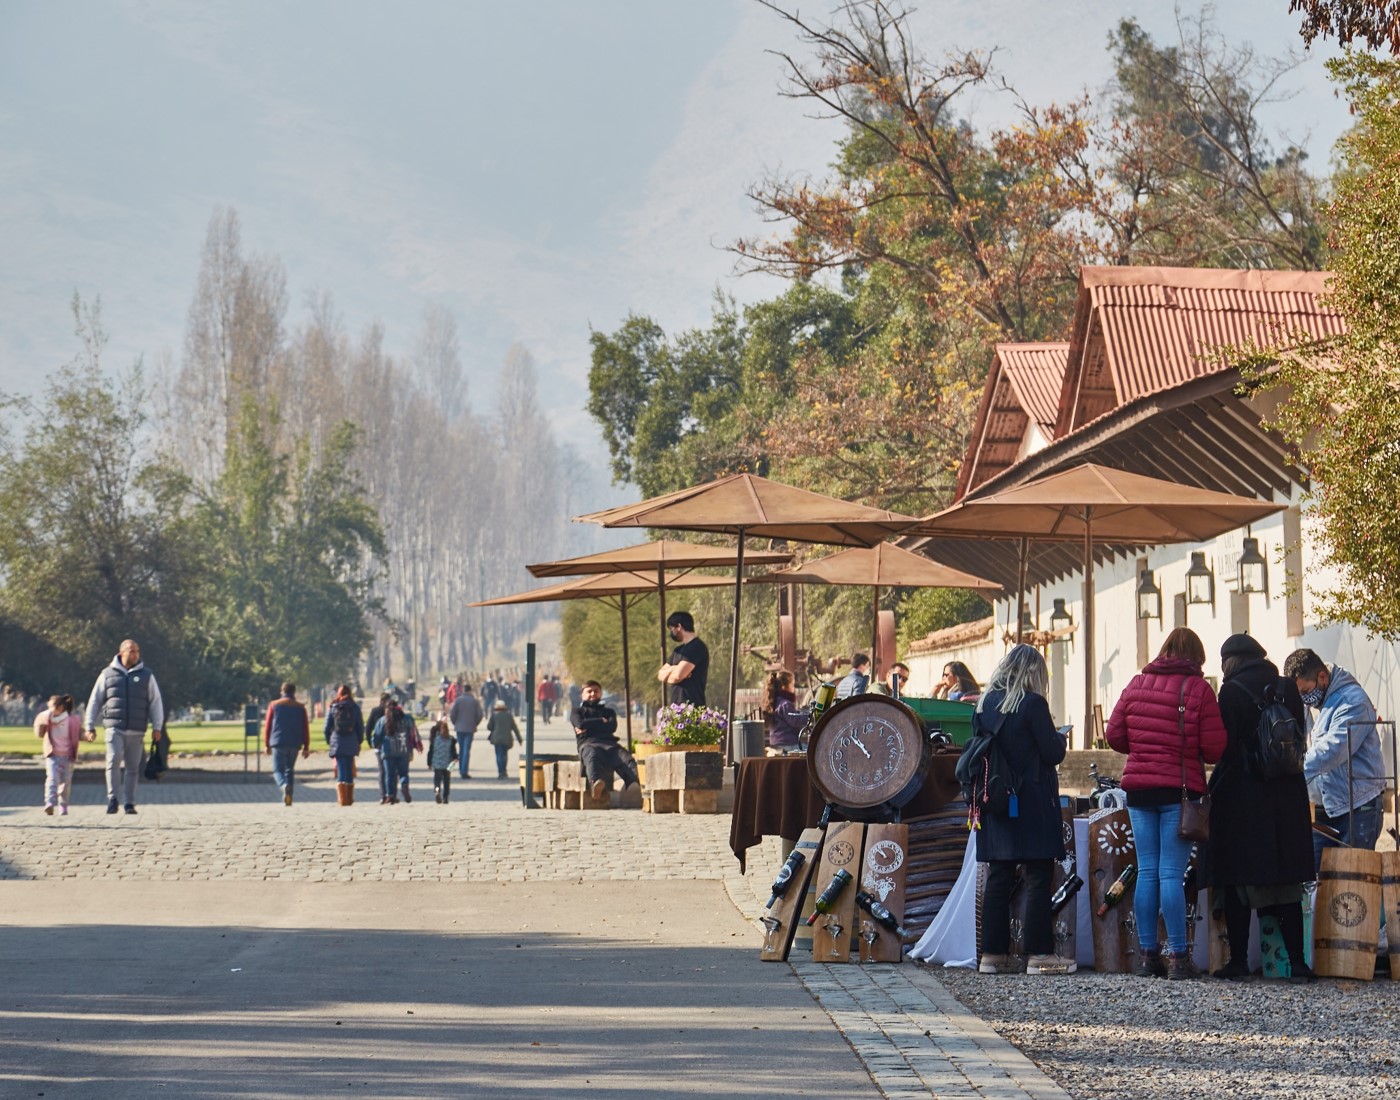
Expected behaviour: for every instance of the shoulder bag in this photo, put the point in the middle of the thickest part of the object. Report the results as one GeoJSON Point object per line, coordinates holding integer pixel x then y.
{"type": "Point", "coordinates": [1195, 814]}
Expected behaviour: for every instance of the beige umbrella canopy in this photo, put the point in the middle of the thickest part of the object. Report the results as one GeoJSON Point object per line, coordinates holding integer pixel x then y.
{"type": "Point", "coordinates": [617, 590]}
{"type": "Point", "coordinates": [1089, 504]}
{"type": "Point", "coordinates": [882, 566]}
{"type": "Point", "coordinates": [746, 504]}
{"type": "Point", "coordinates": [651, 560]}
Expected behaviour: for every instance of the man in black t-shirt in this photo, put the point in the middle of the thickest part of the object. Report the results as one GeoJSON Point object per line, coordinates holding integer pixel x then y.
{"type": "Point", "coordinates": [689, 664]}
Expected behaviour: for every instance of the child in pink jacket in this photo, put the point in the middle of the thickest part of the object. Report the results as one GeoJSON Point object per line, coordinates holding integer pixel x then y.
{"type": "Point", "coordinates": [61, 730]}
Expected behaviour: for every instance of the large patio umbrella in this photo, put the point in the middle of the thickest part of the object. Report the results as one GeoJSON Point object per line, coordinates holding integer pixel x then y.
{"type": "Point", "coordinates": [746, 504]}
{"type": "Point", "coordinates": [652, 560]}
{"type": "Point", "coordinates": [1091, 503]}
{"type": "Point", "coordinates": [881, 566]}
{"type": "Point", "coordinates": [616, 590]}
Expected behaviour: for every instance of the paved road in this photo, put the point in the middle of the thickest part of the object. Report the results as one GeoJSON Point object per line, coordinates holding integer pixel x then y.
{"type": "Point", "coordinates": [207, 946]}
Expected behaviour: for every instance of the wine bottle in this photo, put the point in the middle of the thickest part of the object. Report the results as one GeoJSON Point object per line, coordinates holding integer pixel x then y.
{"type": "Point", "coordinates": [1114, 894]}
{"type": "Point", "coordinates": [827, 898]}
{"type": "Point", "coordinates": [1067, 890]}
{"type": "Point", "coordinates": [880, 913]}
{"type": "Point", "coordinates": [785, 873]}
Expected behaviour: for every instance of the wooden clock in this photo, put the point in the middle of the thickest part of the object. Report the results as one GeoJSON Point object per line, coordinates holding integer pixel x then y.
{"type": "Point", "coordinates": [868, 757]}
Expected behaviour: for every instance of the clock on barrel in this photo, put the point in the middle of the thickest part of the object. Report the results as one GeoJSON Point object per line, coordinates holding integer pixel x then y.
{"type": "Point", "coordinates": [868, 757]}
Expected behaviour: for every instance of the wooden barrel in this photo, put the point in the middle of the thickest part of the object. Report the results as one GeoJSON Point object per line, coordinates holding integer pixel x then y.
{"type": "Point", "coordinates": [1390, 898]}
{"type": "Point", "coordinates": [1347, 915]}
{"type": "Point", "coordinates": [1111, 850]}
{"type": "Point", "coordinates": [1218, 945]}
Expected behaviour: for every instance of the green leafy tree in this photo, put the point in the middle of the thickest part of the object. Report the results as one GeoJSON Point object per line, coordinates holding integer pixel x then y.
{"type": "Point", "coordinates": [928, 609]}
{"type": "Point", "coordinates": [93, 549]}
{"type": "Point", "coordinates": [1341, 397]}
{"type": "Point", "coordinates": [291, 546]}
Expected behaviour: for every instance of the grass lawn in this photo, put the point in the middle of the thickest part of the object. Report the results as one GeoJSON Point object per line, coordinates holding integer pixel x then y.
{"type": "Point", "coordinates": [20, 740]}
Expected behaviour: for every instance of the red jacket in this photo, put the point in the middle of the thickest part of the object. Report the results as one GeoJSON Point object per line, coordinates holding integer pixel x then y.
{"type": "Point", "coordinates": [1144, 725]}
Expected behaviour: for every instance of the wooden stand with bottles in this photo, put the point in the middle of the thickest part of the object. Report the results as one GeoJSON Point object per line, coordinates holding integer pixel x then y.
{"type": "Point", "coordinates": [780, 922]}
{"type": "Point", "coordinates": [882, 874]}
{"type": "Point", "coordinates": [833, 930]}
{"type": "Point", "coordinates": [1111, 852]}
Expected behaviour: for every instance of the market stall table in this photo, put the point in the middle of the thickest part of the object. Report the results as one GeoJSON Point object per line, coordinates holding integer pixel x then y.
{"type": "Point", "coordinates": [774, 796]}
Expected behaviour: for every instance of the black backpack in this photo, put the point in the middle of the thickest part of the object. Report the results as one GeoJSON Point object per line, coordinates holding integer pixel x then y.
{"type": "Point", "coordinates": [1279, 743]}
{"type": "Point", "coordinates": [989, 785]}
{"type": "Point", "coordinates": [344, 721]}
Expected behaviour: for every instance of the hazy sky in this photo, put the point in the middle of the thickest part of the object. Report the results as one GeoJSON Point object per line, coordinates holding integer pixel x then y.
{"type": "Point", "coordinates": [537, 167]}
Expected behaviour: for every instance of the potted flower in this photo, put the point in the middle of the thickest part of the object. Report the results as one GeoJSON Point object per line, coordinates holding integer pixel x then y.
{"type": "Point", "coordinates": [685, 726]}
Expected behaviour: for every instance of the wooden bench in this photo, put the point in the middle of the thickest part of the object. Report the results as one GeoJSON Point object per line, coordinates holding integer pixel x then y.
{"type": "Point", "coordinates": [683, 782]}
{"type": "Point", "coordinates": [566, 788]}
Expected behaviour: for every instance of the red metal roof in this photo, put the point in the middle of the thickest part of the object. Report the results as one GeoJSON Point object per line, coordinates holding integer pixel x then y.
{"type": "Point", "coordinates": [1023, 387]}
{"type": "Point", "coordinates": [1139, 330]}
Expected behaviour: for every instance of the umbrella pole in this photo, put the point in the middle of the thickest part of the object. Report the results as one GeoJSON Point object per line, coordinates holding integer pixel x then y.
{"type": "Point", "coordinates": [661, 593]}
{"type": "Point", "coordinates": [1089, 627]}
{"type": "Point", "coordinates": [626, 671]}
{"type": "Point", "coordinates": [1023, 565]}
{"type": "Point", "coordinates": [875, 633]}
{"type": "Point", "coordinates": [734, 649]}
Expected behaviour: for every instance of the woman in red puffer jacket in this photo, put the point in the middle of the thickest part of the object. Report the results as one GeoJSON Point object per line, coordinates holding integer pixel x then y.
{"type": "Point", "coordinates": [1148, 724]}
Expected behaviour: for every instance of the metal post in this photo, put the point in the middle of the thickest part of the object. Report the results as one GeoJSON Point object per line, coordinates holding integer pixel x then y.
{"type": "Point", "coordinates": [734, 651]}
{"type": "Point", "coordinates": [626, 670]}
{"type": "Point", "coordinates": [1089, 627]}
{"type": "Point", "coordinates": [527, 789]}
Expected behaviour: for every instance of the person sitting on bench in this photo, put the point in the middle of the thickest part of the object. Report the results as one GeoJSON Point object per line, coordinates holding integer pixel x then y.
{"type": "Point", "coordinates": [600, 753]}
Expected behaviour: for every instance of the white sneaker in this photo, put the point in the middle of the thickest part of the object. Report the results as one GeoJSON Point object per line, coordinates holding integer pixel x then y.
{"type": "Point", "coordinates": [1050, 964]}
{"type": "Point", "coordinates": [992, 964]}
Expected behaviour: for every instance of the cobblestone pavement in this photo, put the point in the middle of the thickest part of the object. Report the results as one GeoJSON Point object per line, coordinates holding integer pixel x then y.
{"type": "Point", "coordinates": [913, 1037]}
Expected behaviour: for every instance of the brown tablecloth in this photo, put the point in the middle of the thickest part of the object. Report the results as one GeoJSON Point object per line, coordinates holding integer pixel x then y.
{"type": "Point", "coordinates": [773, 796]}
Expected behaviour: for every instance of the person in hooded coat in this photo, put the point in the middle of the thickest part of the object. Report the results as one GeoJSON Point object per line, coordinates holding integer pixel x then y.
{"type": "Point", "coordinates": [1015, 710]}
{"type": "Point", "coordinates": [1260, 849]}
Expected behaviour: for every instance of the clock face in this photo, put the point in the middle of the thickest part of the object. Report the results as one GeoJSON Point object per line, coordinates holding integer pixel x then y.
{"type": "Point", "coordinates": [1348, 909]}
{"type": "Point", "coordinates": [865, 751]}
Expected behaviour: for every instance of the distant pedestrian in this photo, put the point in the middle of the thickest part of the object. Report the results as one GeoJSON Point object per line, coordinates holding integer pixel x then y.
{"type": "Point", "coordinates": [501, 728]}
{"type": "Point", "coordinates": [442, 750]}
{"type": "Point", "coordinates": [126, 700]}
{"type": "Point", "coordinates": [857, 680]}
{"type": "Point", "coordinates": [345, 735]}
{"type": "Point", "coordinates": [490, 692]}
{"type": "Point", "coordinates": [396, 737]}
{"type": "Point", "coordinates": [375, 714]}
{"type": "Point", "coordinates": [544, 694]}
{"type": "Point", "coordinates": [465, 715]}
{"type": "Point", "coordinates": [61, 730]}
{"type": "Point", "coordinates": [575, 694]}
{"type": "Point", "coordinates": [286, 733]}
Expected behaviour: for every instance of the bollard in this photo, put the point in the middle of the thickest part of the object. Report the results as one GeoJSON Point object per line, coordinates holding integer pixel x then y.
{"type": "Point", "coordinates": [527, 788]}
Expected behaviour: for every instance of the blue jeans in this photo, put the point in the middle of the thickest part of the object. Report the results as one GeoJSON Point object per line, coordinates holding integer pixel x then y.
{"type": "Point", "coordinates": [1361, 828]}
{"type": "Point", "coordinates": [1162, 857]}
{"type": "Point", "coordinates": [464, 751]}
{"type": "Point", "coordinates": [395, 773]}
{"type": "Point", "coordinates": [502, 754]}
{"type": "Point", "coordinates": [344, 769]}
{"type": "Point", "coordinates": [284, 763]}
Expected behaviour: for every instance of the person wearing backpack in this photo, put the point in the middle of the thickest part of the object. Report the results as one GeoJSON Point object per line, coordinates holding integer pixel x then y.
{"type": "Point", "coordinates": [345, 734]}
{"type": "Point", "coordinates": [1168, 723]}
{"type": "Point", "coordinates": [1260, 848]}
{"type": "Point", "coordinates": [442, 751]}
{"type": "Point", "coordinates": [396, 737]}
{"type": "Point", "coordinates": [1023, 827]}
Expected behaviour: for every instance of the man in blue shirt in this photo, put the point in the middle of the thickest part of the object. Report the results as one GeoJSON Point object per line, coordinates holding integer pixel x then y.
{"type": "Point", "coordinates": [857, 680]}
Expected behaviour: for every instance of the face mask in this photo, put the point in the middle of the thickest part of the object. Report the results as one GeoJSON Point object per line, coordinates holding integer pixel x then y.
{"type": "Point", "coordinates": [1314, 697]}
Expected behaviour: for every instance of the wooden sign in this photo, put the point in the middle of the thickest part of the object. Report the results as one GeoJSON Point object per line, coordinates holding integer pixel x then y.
{"type": "Point", "coordinates": [833, 930]}
{"type": "Point", "coordinates": [1063, 924]}
{"type": "Point", "coordinates": [882, 875]}
{"type": "Point", "coordinates": [1111, 852]}
{"type": "Point", "coordinates": [780, 922]}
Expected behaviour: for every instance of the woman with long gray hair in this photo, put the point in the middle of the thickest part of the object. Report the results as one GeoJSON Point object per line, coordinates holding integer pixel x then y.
{"type": "Point", "coordinates": [1014, 710]}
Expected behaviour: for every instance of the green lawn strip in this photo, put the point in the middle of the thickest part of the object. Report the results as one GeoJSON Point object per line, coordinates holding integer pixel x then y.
{"type": "Point", "coordinates": [20, 740]}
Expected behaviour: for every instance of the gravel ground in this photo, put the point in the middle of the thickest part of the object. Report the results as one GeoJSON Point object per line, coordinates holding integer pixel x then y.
{"type": "Point", "coordinates": [1115, 1036]}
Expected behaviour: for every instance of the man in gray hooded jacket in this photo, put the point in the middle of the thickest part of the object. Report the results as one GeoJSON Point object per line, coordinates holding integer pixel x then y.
{"type": "Point", "coordinates": [1344, 767]}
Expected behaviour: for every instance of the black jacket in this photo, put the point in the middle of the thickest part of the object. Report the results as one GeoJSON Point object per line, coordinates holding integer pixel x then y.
{"type": "Point", "coordinates": [598, 723]}
{"type": "Point", "coordinates": [1260, 829]}
{"type": "Point", "coordinates": [1033, 746]}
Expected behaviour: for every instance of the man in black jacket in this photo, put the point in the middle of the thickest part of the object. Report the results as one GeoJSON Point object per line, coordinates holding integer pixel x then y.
{"type": "Point", "coordinates": [595, 728]}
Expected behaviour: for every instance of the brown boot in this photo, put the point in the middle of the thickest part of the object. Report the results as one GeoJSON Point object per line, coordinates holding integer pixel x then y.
{"type": "Point", "coordinates": [349, 794]}
{"type": "Point", "coordinates": [1181, 968]}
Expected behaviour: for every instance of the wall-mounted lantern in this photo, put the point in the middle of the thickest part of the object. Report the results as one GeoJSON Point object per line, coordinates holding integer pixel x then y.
{"type": "Point", "coordinates": [1149, 597]}
{"type": "Point", "coordinates": [1254, 570]}
{"type": "Point", "coordinates": [1200, 580]}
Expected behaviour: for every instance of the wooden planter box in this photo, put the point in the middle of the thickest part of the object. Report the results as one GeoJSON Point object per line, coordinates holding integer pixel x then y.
{"type": "Point", "coordinates": [644, 750]}
{"type": "Point", "coordinates": [684, 782]}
